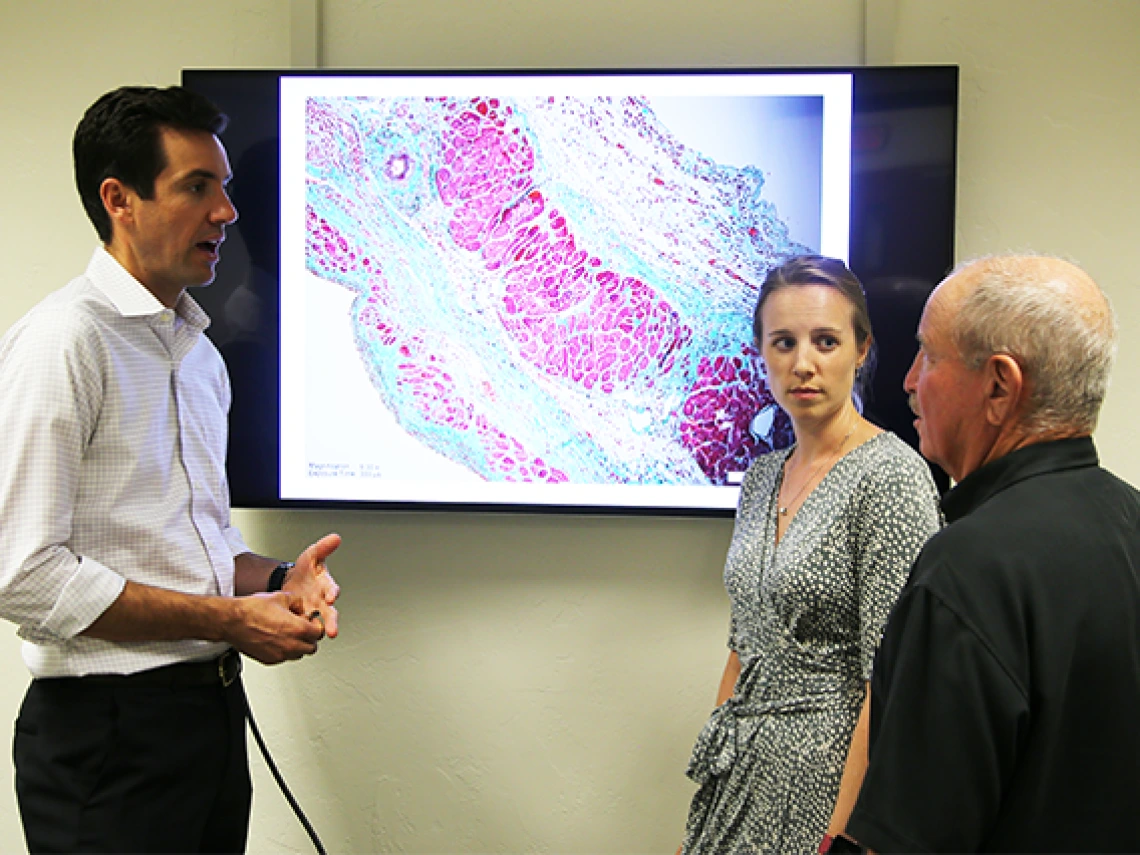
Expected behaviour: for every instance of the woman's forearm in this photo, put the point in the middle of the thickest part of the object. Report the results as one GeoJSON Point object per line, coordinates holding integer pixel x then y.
{"type": "Point", "coordinates": [853, 771]}
{"type": "Point", "coordinates": [728, 679]}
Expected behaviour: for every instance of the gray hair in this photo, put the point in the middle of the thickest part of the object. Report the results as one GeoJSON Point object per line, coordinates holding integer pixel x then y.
{"type": "Point", "coordinates": [1026, 308]}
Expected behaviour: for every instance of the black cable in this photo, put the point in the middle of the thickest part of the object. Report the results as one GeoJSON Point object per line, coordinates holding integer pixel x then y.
{"type": "Point", "coordinates": [312, 832]}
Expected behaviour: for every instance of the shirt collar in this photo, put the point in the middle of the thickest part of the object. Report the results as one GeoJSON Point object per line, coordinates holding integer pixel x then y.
{"type": "Point", "coordinates": [1026, 462]}
{"type": "Point", "coordinates": [131, 298]}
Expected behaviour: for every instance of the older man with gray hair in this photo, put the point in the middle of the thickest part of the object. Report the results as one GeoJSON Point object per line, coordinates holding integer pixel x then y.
{"type": "Point", "coordinates": [1006, 692]}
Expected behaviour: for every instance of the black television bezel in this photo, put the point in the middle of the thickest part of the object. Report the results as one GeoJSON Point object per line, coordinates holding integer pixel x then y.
{"type": "Point", "coordinates": [909, 268]}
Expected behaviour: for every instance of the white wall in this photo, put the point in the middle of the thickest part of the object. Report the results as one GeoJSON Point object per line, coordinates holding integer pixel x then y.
{"type": "Point", "coordinates": [533, 684]}
{"type": "Point", "coordinates": [1048, 156]}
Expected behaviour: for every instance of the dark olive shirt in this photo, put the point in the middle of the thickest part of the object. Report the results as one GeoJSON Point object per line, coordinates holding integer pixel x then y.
{"type": "Point", "coordinates": [1005, 700]}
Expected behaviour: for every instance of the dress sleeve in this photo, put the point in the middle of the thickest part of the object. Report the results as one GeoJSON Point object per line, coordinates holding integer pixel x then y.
{"type": "Point", "coordinates": [946, 719]}
{"type": "Point", "coordinates": [897, 515]}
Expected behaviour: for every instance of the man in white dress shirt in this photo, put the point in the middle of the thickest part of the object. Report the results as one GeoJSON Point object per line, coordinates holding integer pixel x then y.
{"type": "Point", "coordinates": [119, 563]}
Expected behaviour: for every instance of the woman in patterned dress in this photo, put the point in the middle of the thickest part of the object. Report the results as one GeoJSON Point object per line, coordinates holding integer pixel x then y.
{"type": "Point", "coordinates": [825, 535]}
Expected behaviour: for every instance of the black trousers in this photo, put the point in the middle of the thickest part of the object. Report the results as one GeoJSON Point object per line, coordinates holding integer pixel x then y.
{"type": "Point", "coordinates": [117, 767]}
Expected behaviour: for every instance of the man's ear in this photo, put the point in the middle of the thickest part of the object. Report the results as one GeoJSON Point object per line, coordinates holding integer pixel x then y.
{"type": "Point", "coordinates": [1005, 389]}
{"type": "Point", "coordinates": [118, 200]}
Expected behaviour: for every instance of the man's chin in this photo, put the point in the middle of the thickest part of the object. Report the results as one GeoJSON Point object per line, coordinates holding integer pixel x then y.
{"type": "Point", "coordinates": [207, 278]}
{"type": "Point", "coordinates": [924, 447]}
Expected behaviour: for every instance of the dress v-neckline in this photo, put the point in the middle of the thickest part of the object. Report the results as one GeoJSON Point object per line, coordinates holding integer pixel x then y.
{"type": "Point", "coordinates": [774, 507]}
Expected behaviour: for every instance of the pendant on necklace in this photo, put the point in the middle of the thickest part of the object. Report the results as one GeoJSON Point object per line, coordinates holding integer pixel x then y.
{"type": "Point", "coordinates": [783, 512]}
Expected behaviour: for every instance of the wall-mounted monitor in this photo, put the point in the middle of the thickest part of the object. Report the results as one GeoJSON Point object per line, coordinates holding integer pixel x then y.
{"type": "Point", "coordinates": [534, 290]}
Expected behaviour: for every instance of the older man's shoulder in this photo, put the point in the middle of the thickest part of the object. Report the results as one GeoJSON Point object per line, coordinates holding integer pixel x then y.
{"type": "Point", "coordinates": [1035, 528]}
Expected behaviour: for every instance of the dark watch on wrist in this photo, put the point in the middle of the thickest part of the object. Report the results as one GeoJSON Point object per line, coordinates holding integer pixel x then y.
{"type": "Point", "coordinates": [840, 843]}
{"type": "Point", "coordinates": [277, 577]}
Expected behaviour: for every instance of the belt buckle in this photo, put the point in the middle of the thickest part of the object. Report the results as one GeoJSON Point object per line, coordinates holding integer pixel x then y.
{"type": "Point", "coordinates": [229, 667]}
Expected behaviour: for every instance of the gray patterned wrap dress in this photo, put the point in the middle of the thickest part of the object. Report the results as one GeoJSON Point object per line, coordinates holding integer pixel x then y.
{"type": "Point", "coordinates": [806, 617]}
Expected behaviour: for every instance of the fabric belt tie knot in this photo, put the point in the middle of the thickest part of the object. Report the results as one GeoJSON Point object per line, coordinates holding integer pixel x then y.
{"type": "Point", "coordinates": [714, 752]}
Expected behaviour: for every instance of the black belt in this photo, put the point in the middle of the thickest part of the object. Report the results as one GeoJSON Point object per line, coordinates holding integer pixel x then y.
{"type": "Point", "coordinates": [211, 672]}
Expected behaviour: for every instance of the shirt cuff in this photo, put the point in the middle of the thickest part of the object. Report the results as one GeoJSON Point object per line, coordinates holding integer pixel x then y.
{"type": "Point", "coordinates": [90, 592]}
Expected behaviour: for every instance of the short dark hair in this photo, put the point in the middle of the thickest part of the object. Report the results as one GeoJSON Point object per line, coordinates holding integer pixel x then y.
{"type": "Point", "coordinates": [120, 137]}
{"type": "Point", "coordinates": [801, 270]}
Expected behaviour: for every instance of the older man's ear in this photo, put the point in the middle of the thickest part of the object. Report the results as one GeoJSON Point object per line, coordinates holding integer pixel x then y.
{"type": "Point", "coordinates": [1006, 390]}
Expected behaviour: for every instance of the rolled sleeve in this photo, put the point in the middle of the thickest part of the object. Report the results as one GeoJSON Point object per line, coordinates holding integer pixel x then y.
{"type": "Point", "coordinates": [45, 424]}
{"type": "Point", "coordinates": [88, 593]}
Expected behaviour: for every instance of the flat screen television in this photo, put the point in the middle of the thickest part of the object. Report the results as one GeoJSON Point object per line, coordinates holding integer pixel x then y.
{"type": "Point", "coordinates": [525, 290]}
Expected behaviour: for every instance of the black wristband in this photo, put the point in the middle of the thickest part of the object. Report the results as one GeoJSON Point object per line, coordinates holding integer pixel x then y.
{"type": "Point", "coordinates": [277, 577]}
{"type": "Point", "coordinates": [843, 843]}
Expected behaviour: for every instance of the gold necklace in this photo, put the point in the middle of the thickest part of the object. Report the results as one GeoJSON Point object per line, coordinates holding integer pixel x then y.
{"type": "Point", "coordinates": [834, 456]}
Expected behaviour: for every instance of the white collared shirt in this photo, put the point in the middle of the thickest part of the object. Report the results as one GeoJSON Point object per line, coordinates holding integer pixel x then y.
{"type": "Point", "coordinates": [112, 468]}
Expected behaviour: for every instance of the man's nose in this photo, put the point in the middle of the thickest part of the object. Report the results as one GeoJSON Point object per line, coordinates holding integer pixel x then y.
{"type": "Point", "coordinates": [225, 212]}
{"type": "Point", "coordinates": [910, 382]}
